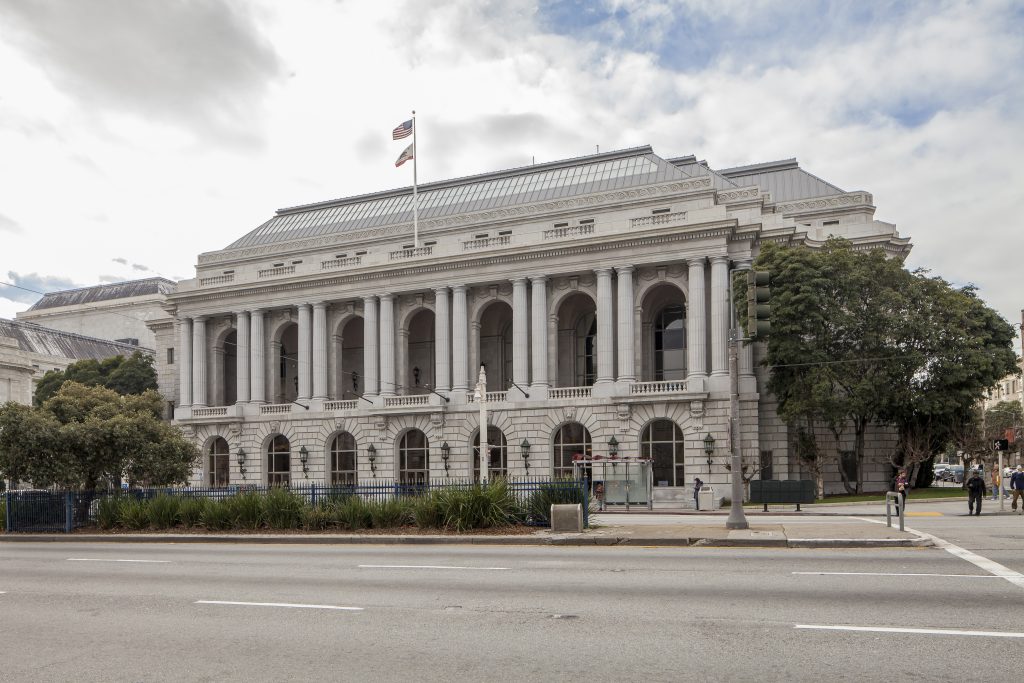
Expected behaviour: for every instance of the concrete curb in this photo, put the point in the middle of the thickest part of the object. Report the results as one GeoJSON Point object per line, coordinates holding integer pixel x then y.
{"type": "Point", "coordinates": [559, 540]}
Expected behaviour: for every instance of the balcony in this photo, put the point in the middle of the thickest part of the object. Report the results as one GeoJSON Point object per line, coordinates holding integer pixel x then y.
{"type": "Point", "coordinates": [274, 272]}
{"type": "Point", "coordinates": [341, 405]}
{"type": "Point", "coordinates": [216, 280]}
{"type": "Point", "coordinates": [569, 231]}
{"type": "Point", "coordinates": [210, 412]}
{"type": "Point", "coordinates": [649, 388]}
{"type": "Point", "coordinates": [490, 397]}
{"type": "Point", "coordinates": [659, 219]}
{"type": "Point", "coordinates": [403, 254]}
{"type": "Point", "coordinates": [341, 263]}
{"type": "Point", "coordinates": [487, 242]}
{"type": "Point", "coordinates": [276, 409]}
{"type": "Point", "coordinates": [406, 401]}
{"type": "Point", "coordinates": [569, 392]}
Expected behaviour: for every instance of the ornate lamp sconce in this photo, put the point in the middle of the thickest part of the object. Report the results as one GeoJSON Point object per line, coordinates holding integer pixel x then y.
{"type": "Point", "coordinates": [371, 455]}
{"type": "Point", "coordinates": [524, 447]}
{"type": "Point", "coordinates": [445, 452]}
{"type": "Point", "coordinates": [304, 459]}
{"type": "Point", "coordinates": [241, 461]}
{"type": "Point", "coordinates": [709, 448]}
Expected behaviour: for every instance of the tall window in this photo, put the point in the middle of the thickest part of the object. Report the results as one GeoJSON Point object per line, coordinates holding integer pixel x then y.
{"type": "Point", "coordinates": [571, 439]}
{"type": "Point", "coordinates": [218, 462]}
{"type": "Point", "coordinates": [343, 459]}
{"type": "Point", "coordinates": [279, 462]}
{"type": "Point", "coordinates": [670, 344]}
{"type": "Point", "coordinates": [662, 442]}
{"type": "Point", "coordinates": [414, 458]}
{"type": "Point", "coordinates": [586, 350]}
{"type": "Point", "coordinates": [497, 463]}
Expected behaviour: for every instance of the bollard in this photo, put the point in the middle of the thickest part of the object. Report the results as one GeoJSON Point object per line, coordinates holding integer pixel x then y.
{"type": "Point", "coordinates": [567, 518]}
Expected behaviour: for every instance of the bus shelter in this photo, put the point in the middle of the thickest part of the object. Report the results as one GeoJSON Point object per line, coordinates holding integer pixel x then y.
{"type": "Point", "coordinates": [617, 482]}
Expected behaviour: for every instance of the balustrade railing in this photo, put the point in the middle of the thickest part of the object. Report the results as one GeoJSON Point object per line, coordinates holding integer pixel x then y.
{"type": "Point", "coordinates": [404, 401]}
{"type": "Point", "coordinates": [486, 242]}
{"type": "Point", "coordinates": [666, 387]}
{"type": "Point", "coordinates": [659, 219]}
{"type": "Point", "coordinates": [410, 253]}
{"type": "Point", "coordinates": [341, 262]}
{"type": "Point", "coordinates": [341, 405]}
{"type": "Point", "coordinates": [275, 408]}
{"type": "Point", "coordinates": [273, 272]}
{"type": "Point", "coordinates": [491, 397]}
{"type": "Point", "coordinates": [570, 231]}
{"type": "Point", "coordinates": [569, 392]}
{"type": "Point", "coordinates": [210, 412]}
{"type": "Point", "coordinates": [216, 279]}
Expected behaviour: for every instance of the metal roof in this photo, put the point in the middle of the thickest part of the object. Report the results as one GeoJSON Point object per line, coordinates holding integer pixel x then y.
{"type": "Point", "coordinates": [33, 338]}
{"type": "Point", "coordinates": [785, 180]}
{"type": "Point", "coordinates": [108, 292]}
{"type": "Point", "coordinates": [540, 182]}
{"type": "Point", "coordinates": [692, 167]}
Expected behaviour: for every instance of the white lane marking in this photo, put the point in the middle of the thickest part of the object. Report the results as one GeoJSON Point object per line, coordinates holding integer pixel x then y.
{"type": "Point", "coordinates": [992, 567]}
{"type": "Point", "coordinates": [99, 559]}
{"type": "Point", "coordinates": [926, 631]}
{"type": "Point", "coordinates": [424, 566]}
{"type": "Point", "coordinates": [958, 576]}
{"type": "Point", "coordinates": [277, 604]}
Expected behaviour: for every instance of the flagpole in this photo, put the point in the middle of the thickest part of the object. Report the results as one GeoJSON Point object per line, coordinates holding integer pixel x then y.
{"type": "Point", "coordinates": [415, 203]}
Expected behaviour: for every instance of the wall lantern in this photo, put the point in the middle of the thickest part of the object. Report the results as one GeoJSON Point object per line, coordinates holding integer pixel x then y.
{"type": "Point", "coordinates": [709, 447]}
{"type": "Point", "coordinates": [613, 447]}
{"type": "Point", "coordinates": [525, 448]}
{"type": "Point", "coordinates": [241, 461]}
{"type": "Point", "coordinates": [445, 450]}
{"type": "Point", "coordinates": [371, 455]}
{"type": "Point", "coordinates": [304, 459]}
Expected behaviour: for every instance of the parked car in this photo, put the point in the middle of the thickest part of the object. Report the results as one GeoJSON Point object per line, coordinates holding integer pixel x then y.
{"type": "Point", "coordinates": [939, 471]}
{"type": "Point", "coordinates": [955, 474]}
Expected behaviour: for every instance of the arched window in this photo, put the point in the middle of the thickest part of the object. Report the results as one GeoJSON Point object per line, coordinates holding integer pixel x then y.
{"type": "Point", "coordinates": [662, 442]}
{"type": "Point", "coordinates": [571, 439]}
{"type": "Point", "coordinates": [414, 458]}
{"type": "Point", "coordinates": [343, 459]}
{"type": "Point", "coordinates": [279, 462]}
{"type": "Point", "coordinates": [219, 459]}
{"type": "Point", "coordinates": [586, 350]}
{"type": "Point", "coordinates": [497, 463]}
{"type": "Point", "coordinates": [670, 343]}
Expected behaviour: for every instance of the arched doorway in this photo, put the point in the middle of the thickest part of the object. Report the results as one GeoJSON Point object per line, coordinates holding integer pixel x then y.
{"type": "Point", "coordinates": [497, 462]}
{"type": "Point", "coordinates": [343, 460]}
{"type": "Point", "coordinates": [662, 442]}
{"type": "Point", "coordinates": [218, 463]}
{"type": "Point", "coordinates": [414, 458]}
{"type": "Point", "coordinates": [577, 341]}
{"type": "Point", "coordinates": [496, 345]}
{"type": "Point", "coordinates": [279, 461]}
{"type": "Point", "coordinates": [664, 334]}
{"type": "Point", "coordinates": [571, 439]}
{"type": "Point", "coordinates": [420, 366]}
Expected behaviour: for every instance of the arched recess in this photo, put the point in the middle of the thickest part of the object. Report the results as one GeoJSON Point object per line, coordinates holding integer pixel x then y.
{"type": "Point", "coordinates": [224, 373]}
{"type": "Point", "coordinates": [418, 374]}
{"type": "Point", "coordinates": [285, 359]}
{"type": "Point", "coordinates": [577, 341]}
{"type": "Point", "coordinates": [413, 457]}
{"type": "Point", "coordinates": [571, 440]}
{"type": "Point", "coordinates": [663, 334]}
{"type": "Point", "coordinates": [217, 462]}
{"type": "Point", "coordinates": [348, 354]}
{"type": "Point", "coordinates": [495, 345]}
{"type": "Point", "coordinates": [662, 441]}
{"type": "Point", "coordinates": [497, 446]}
{"type": "Point", "coordinates": [343, 462]}
{"type": "Point", "coordinates": [279, 461]}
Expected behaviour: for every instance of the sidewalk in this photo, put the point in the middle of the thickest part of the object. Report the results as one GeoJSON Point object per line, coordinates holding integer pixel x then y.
{"type": "Point", "coordinates": [606, 530]}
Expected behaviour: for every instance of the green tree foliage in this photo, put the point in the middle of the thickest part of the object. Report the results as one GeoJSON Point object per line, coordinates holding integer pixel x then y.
{"type": "Point", "coordinates": [84, 435]}
{"type": "Point", "coordinates": [132, 375]}
{"type": "Point", "coordinates": [858, 340]}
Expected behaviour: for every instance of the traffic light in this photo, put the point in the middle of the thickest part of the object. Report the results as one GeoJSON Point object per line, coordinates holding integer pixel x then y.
{"type": "Point", "coordinates": [1001, 445]}
{"type": "Point", "coordinates": [759, 311]}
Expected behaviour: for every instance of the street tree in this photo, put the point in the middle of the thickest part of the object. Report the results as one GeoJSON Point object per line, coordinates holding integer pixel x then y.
{"type": "Point", "coordinates": [83, 436]}
{"type": "Point", "coordinates": [125, 375]}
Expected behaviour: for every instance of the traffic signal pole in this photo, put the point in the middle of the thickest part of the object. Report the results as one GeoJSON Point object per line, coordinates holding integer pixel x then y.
{"type": "Point", "coordinates": [737, 518]}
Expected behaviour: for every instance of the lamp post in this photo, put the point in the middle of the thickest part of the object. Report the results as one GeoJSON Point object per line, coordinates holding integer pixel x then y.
{"type": "Point", "coordinates": [371, 455]}
{"type": "Point", "coordinates": [709, 449]}
{"type": "Point", "coordinates": [445, 449]}
{"type": "Point", "coordinates": [304, 459]}
{"type": "Point", "coordinates": [241, 461]}
{"type": "Point", "coordinates": [525, 448]}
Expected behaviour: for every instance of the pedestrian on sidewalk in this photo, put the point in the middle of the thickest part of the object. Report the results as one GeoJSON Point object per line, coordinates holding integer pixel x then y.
{"type": "Point", "coordinates": [997, 481]}
{"type": "Point", "coordinates": [1017, 485]}
{"type": "Point", "coordinates": [901, 487]}
{"type": "Point", "coordinates": [975, 492]}
{"type": "Point", "coordinates": [697, 486]}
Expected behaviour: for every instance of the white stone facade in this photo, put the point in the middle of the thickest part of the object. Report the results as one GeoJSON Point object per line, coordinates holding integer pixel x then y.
{"type": "Point", "coordinates": [603, 306]}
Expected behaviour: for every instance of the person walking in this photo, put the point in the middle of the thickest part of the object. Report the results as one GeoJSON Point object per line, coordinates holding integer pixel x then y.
{"type": "Point", "coordinates": [697, 486]}
{"type": "Point", "coordinates": [975, 492]}
{"type": "Point", "coordinates": [997, 481]}
{"type": "Point", "coordinates": [1017, 486]}
{"type": "Point", "coordinates": [901, 487]}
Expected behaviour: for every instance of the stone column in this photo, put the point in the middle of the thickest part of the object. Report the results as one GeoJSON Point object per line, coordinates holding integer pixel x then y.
{"type": "Point", "coordinates": [627, 361]}
{"type": "Point", "coordinates": [242, 357]}
{"type": "Point", "coordinates": [442, 340]}
{"type": "Point", "coordinates": [185, 361]}
{"type": "Point", "coordinates": [605, 327]}
{"type": "Point", "coordinates": [460, 339]}
{"type": "Point", "coordinates": [520, 334]}
{"type": "Point", "coordinates": [305, 351]}
{"type": "Point", "coordinates": [539, 314]}
{"type": "Point", "coordinates": [720, 316]}
{"type": "Point", "coordinates": [696, 327]}
{"type": "Point", "coordinates": [199, 362]}
{"type": "Point", "coordinates": [387, 345]}
{"type": "Point", "coordinates": [371, 347]}
{"type": "Point", "coordinates": [320, 351]}
{"type": "Point", "coordinates": [257, 367]}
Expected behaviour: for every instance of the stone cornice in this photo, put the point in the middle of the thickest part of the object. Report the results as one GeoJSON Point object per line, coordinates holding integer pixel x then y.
{"type": "Point", "coordinates": [699, 184]}
{"type": "Point", "coordinates": [826, 204]}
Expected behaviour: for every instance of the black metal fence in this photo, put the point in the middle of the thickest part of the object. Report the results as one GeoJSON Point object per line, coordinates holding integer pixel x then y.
{"type": "Point", "coordinates": [64, 511]}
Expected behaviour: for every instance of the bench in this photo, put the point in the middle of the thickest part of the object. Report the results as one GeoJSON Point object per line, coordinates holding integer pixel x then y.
{"type": "Point", "coordinates": [791, 492]}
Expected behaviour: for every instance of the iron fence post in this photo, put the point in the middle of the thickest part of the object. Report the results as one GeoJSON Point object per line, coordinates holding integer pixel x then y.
{"type": "Point", "coordinates": [68, 513]}
{"type": "Point", "coordinates": [586, 506]}
{"type": "Point", "coordinates": [7, 511]}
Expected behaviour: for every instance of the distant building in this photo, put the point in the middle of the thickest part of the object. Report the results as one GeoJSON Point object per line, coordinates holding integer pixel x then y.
{"type": "Point", "coordinates": [28, 351]}
{"type": "Point", "coordinates": [117, 311]}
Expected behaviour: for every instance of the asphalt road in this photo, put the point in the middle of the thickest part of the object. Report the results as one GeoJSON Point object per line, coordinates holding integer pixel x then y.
{"type": "Point", "coordinates": [149, 612]}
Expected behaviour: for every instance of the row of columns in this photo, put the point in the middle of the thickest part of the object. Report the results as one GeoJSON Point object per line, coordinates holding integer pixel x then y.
{"type": "Point", "coordinates": [615, 329]}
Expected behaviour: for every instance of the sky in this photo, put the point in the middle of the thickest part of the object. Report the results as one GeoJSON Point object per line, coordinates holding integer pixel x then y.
{"type": "Point", "coordinates": [136, 135]}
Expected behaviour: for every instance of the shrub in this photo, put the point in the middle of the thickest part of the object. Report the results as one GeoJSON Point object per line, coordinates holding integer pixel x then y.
{"type": "Point", "coordinates": [134, 514]}
{"type": "Point", "coordinates": [163, 511]}
{"type": "Point", "coordinates": [352, 514]}
{"type": "Point", "coordinates": [537, 508]}
{"type": "Point", "coordinates": [389, 514]}
{"type": "Point", "coordinates": [108, 512]}
{"type": "Point", "coordinates": [316, 517]}
{"type": "Point", "coordinates": [282, 509]}
{"type": "Point", "coordinates": [479, 507]}
{"type": "Point", "coordinates": [426, 512]}
{"type": "Point", "coordinates": [191, 511]}
{"type": "Point", "coordinates": [217, 515]}
{"type": "Point", "coordinates": [245, 510]}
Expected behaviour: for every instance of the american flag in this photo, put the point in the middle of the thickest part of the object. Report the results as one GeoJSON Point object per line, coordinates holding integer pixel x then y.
{"type": "Point", "coordinates": [404, 156]}
{"type": "Point", "coordinates": [402, 130]}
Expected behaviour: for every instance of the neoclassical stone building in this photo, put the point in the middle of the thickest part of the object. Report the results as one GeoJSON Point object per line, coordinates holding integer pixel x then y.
{"type": "Point", "coordinates": [327, 346]}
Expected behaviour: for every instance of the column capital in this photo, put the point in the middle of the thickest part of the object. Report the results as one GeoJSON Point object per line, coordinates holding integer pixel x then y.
{"type": "Point", "coordinates": [199, 318]}
{"type": "Point", "coordinates": [744, 262]}
{"type": "Point", "coordinates": [387, 296]}
{"type": "Point", "coordinates": [624, 269]}
{"type": "Point", "coordinates": [603, 271]}
{"type": "Point", "coordinates": [459, 287]}
{"type": "Point", "coordinates": [370, 298]}
{"type": "Point", "coordinates": [239, 314]}
{"type": "Point", "coordinates": [521, 280]}
{"type": "Point", "coordinates": [304, 306]}
{"type": "Point", "coordinates": [256, 311]}
{"type": "Point", "coordinates": [696, 261]}
{"type": "Point", "coordinates": [538, 279]}
{"type": "Point", "coordinates": [441, 290]}
{"type": "Point", "coordinates": [720, 259]}
{"type": "Point", "coordinates": [321, 304]}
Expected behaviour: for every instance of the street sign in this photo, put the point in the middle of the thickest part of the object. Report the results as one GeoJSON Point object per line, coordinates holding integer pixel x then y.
{"type": "Point", "coordinates": [1001, 445]}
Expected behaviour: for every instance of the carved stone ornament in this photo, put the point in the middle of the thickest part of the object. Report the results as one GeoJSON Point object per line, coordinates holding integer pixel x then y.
{"type": "Point", "coordinates": [574, 283]}
{"type": "Point", "coordinates": [697, 409]}
{"type": "Point", "coordinates": [648, 274]}
{"type": "Point", "coordinates": [234, 429]}
{"type": "Point", "coordinates": [624, 411]}
{"type": "Point", "coordinates": [570, 414]}
{"type": "Point", "coordinates": [275, 426]}
{"type": "Point", "coordinates": [339, 425]}
{"type": "Point", "coordinates": [437, 419]}
{"type": "Point", "coordinates": [662, 272]}
{"type": "Point", "coordinates": [381, 423]}
{"type": "Point", "coordinates": [189, 431]}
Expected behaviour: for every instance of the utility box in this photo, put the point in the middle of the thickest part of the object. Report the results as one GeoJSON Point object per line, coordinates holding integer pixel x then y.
{"type": "Point", "coordinates": [567, 518]}
{"type": "Point", "coordinates": [707, 497]}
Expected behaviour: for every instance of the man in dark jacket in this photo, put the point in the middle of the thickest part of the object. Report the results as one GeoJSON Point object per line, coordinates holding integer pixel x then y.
{"type": "Point", "coordinates": [1017, 486]}
{"type": "Point", "coordinates": [975, 492]}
